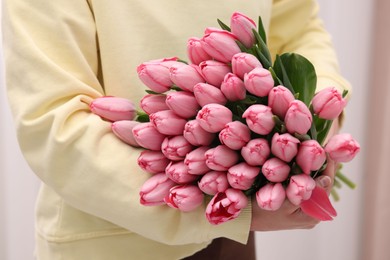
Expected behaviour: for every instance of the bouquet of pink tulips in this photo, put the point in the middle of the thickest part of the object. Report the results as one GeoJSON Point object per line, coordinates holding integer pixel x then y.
{"type": "Point", "coordinates": [231, 124]}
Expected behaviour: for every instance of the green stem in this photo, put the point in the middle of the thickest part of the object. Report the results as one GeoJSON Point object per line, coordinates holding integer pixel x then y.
{"type": "Point", "coordinates": [344, 179]}
{"type": "Point", "coordinates": [334, 194]}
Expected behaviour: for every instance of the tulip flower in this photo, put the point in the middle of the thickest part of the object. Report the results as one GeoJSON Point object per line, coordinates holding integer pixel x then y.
{"type": "Point", "coordinates": [271, 196]}
{"type": "Point", "coordinates": [300, 188]}
{"type": "Point", "coordinates": [214, 117]}
{"type": "Point", "coordinates": [342, 147]}
{"type": "Point", "coordinates": [178, 172]}
{"type": "Point", "coordinates": [241, 176]}
{"type": "Point", "coordinates": [242, 27]}
{"type": "Point", "coordinates": [183, 103]}
{"type": "Point", "coordinates": [275, 170]}
{"type": "Point", "coordinates": [196, 161]}
{"type": "Point", "coordinates": [152, 103]}
{"type": "Point", "coordinates": [220, 44]}
{"type": "Point", "coordinates": [298, 118]}
{"type": "Point", "coordinates": [155, 74]}
{"type": "Point", "coordinates": [221, 158]}
{"type": "Point", "coordinates": [167, 122]}
{"type": "Point", "coordinates": [279, 99]}
{"type": "Point", "coordinates": [155, 189]}
{"type": "Point", "coordinates": [208, 94]}
{"type": "Point", "coordinates": [185, 76]}
{"type": "Point", "coordinates": [328, 103]}
{"type": "Point", "coordinates": [214, 71]}
{"type": "Point", "coordinates": [233, 87]}
{"type": "Point", "coordinates": [147, 136]}
{"type": "Point", "coordinates": [184, 197]}
{"type": "Point", "coordinates": [284, 146]}
{"type": "Point", "coordinates": [196, 135]}
{"type": "Point", "coordinates": [214, 182]}
{"type": "Point", "coordinates": [195, 51]}
{"type": "Point", "coordinates": [318, 205]}
{"type": "Point", "coordinates": [113, 108]}
{"type": "Point", "coordinates": [311, 156]}
{"type": "Point", "coordinates": [153, 161]}
{"type": "Point", "coordinates": [226, 206]}
{"type": "Point", "coordinates": [235, 135]}
{"type": "Point", "coordinates": [243, 63]}
{"type": "Point", "coordinates": [259, 119]}
{"type": "Point", "coordinates": [259, 82]}
{"type": "Point", "coordinates": [256, 151]}
{"type": "Point", "coordinates": [176, 147]}
{"type": "Point", "coordinates": [124, 131]}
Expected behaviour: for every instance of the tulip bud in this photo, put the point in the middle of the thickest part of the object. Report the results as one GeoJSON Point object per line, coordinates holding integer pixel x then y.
{"type": "Point", "coordinates": [300, 188]}
{"type": "Point", "coordinates": [284, 146]}
{"type": "Point", "coordinates": [153, 161]}
{"type": "Point", "coordinates": [259, 119]}
{"type": "Point", "coordinates": [242, 27]}
{"type": "Point", "coordinates": [256, 151]}
{"type": "Point", "coordinates": [167, 122]}
{"type": "Point", "coordinates": [196, 161]}
{"type": "Point", "coordinates": [328, 103]}
{"type": "Point", "coordinates": [124, 131]}
{"type": "Point", "coordinates": [185, 76]}
{"type": "Point", "coordinates": [155, 189]}
{"type": "Point", "coordinates": [196, 135]}
{"type": "Point", "coordinates": [271, 196]}
{"type": "Point", "coordinates": [184, 197]}
{"type": "Point", "coordinates": [311, 156]}
{"type": "Point", "coordinates": [195, 51]}
{"type": "Point", "coordinates": [275, 170]}
{"type": "Point", "coordinates": [176, 147]}
{"type": "Point", "coordinates": [221, 158]}
{"type": "Point", "coordinates": [214, 182]}
{"type": "Point", "coordinates": [298, 118]}
{"type": "Point", "coordinates": [214, 71]}
{"type": "Point", "coordinates": [243, 63]}
{"type": "Point", "coordinates": [233, 87]}
{"type": "Point", "coordinates": [259, 82]}
{"type": "Point", "coordinates": [147, 136]}
{"type": "Point", "coordinates": [214, 117]}
{"type": "Point", "coordinates": [342, 147]}
{"type": "Point", "coordinates": [178, 172]}
{"type": "Point", "coordinates": [208, 94]}
{"type": "Point", "coordinates": [183, 103]}
{"type": "Point", "coordinates": [220, 44]}
{"type": "Point", "coordinates": [153, 103]}
{"type": "Point", "coordinates": [235, 135]}
{"type": "Point", "coordinates": [113, 108]}
{"type": "Point", "coordinates": [241, 176]}
{"type": "Point", "coordinates": [279, 99]}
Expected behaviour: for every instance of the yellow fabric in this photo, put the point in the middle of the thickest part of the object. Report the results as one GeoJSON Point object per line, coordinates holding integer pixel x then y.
{"type": "Point", "coordinates": [59, 56]}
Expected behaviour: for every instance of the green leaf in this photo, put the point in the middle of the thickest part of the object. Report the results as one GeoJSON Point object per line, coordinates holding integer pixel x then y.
{"type": "Point", "coordinates": [281, 73]}
{"type": "Point", "coordinates": [223, 25]}
{"type": "Point", "coordinates": [263, 60]}
{"type": "Point", "coordinates": [276, 78]}
{"type": "Point", "coordinates": [261, 30]}
{"type": "Point", "coordinates": [262, 46]}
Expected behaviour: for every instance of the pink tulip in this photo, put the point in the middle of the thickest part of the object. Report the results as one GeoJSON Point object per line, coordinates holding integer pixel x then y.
{"type": "Point", "coordinates": [185, 76]}
{"type": "Point", "coordinates": [124, 131]}
{"type": "Point", "coordinates": [298, 118]}
{"type": "Point", "coordinates": [147, 136]}
{"type": "Point", "coordinates": [242, 27]}
{"type": "Point", "coordinates": [328, 103]}
{"type": "Point", "coordinates": [235, 135]}
{"type": "Point", "coordinates": [167, 122]}
{"type": "Point", "coordinates": [214, 117]}
{"type": "Point", "coordinates": [284, 146]}
{"type": "Point", "coordinates": [311, 156]}
{"type": "Point", "coordinates": [183, 103]}
{"type": "Point", "coordinates": [233, 87]}
{"type": "Point", "coordinates": [342, 147]}
{"type": "Point", "coordinates": [152, 103]}
{"type": "Point", "coordinates": [196, 135]}
{"type": "Point", "coordinates": [208, 94]}
{"type": "Point", "coordinates": [178, 172]}
{"type": "Point", "coordinates": [300, 188]}
{"type": "Point", "coordinates": [155, 74]}
{"type": "Point", "coordinates": [185, 197]}
{"type": "Point", "coordinates": [279, 99]}
{"type": "Point", "coordinates": [113, 108]}
{"type": "Point", "coordinates": [259, 82]}
{"type": "Point", "coordinates": [241, 176]}
{"type": "Point", "coordinates": [256, 152]}
{"type": "Point", "coordinates": [195, 51]}
{"type": "Point", "coordinates": [220, 44]}
{"type": "Point", "coordinates": [243, 63]}
{"type": "Point", "coordinates": [196, 161]}
{"type": "Point", "coordinates": [221, 158]}
{"type": "Point", "coordinates": [214, 182]}
{"type": "Point", "coordinates": [214, 71]}
{"type": "Point", "coordinates": [226, 206]}
{"type": "Point", "coordinates": [271, 196]}
{"type": "Point", "coordinates": [275, 170]}
{"type": "Point", "coordinates": [318, 205]}
{"type": "Point", "coordinates": [153, 161]}
{"type": "Point", "coordinates": [259, 119]}
{"type": "Point", "coordinates": [155, 189]}
{"type": "Point", "coordinates": [176, 147]}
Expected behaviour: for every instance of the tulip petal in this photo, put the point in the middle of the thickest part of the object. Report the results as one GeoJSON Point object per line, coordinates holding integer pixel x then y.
{"type": "Point", "coordinates": [319, 206]}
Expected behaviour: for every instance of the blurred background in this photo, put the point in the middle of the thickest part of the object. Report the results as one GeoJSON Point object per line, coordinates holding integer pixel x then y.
{"type": "Point", "coordinates": [360, 36]}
